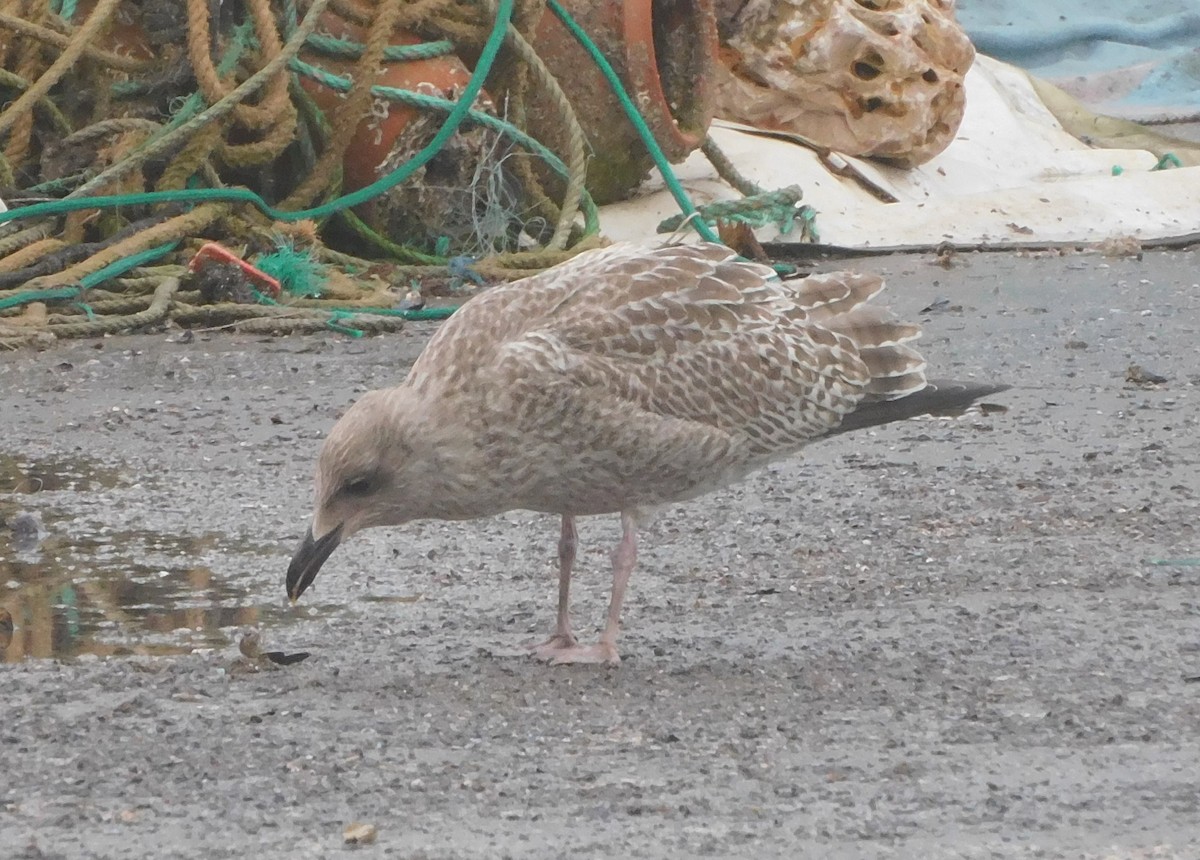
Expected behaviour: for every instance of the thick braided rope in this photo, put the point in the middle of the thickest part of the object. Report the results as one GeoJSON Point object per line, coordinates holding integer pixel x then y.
{"type": "Point", "coordinates": [173, 229]}
{"type": "Point", "coordinates": [83, 37]}
{"type": "Point", "coordinates": [412, 14]}
{"type": "Point", "coordinates": [159, 307]}
{"type": "Point", "coordinates": [116, 125]}
{"type": "Point", "coordinates": [199, 40]}
{"type": "Point", "coordinates": [275, 100]}
{"type": "Point", "coordinates": [20, 135]}
{"type": "Point", "coordinates": [18, 240]}
{"type": "Point", "coordinates": [30, 253]}
{"type": "Point", "coordinates": [58, 40]}
{"type": "Point", "coordinates": [189, 159]}
{"type": "Point", "coordinates": [182, 132]}
{"type": "Point", "coordinates": [278, 319]}
{"type": "Point", "coordinates": [260, 151]}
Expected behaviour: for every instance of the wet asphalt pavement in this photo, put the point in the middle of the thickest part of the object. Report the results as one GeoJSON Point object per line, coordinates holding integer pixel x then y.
{"type": "Point", "coordinates": [946, 638]}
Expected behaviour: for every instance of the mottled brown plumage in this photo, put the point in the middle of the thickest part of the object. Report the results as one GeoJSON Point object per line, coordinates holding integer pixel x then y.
{"type": "Point", "coordinates": [624, 379]}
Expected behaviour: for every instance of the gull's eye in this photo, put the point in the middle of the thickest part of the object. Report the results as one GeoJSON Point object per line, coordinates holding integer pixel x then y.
{"type": "Point", "coordinates": [360, 486]}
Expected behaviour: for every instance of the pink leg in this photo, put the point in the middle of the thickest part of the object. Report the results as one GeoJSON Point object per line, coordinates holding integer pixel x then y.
{"type": "Point", "coordinates": [562, 638]}
{"type": "Point", "coordinates": [624, 558]}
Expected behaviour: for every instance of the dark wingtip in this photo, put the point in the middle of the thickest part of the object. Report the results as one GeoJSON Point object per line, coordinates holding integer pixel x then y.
{"type": "Point", "coordinates": [943, 397]}
{"type": "Point", "coordinates": [958, 394]}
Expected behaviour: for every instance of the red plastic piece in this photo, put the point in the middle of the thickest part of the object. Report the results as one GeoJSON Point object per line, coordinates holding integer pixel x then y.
{"type": "Point", "coordinates": [220, 254]}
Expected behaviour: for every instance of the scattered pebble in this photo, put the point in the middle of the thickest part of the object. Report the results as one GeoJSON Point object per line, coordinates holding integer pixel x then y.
{"type": "Point", "coordinates": [358, 833]}
{"type": "Point", "coordinates": [1139, 375]}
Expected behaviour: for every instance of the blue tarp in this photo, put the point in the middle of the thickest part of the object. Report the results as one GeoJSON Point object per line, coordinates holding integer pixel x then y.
{"type": "Point", "coordinates": [1136, 59]}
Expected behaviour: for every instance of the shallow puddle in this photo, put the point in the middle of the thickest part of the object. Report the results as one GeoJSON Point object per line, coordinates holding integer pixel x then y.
{"type": "Point", "coordinates": [70, 587]}
{"type": "Point", "coordinates": [50, 474]}
{"type": "Point", "coordinates": [62, 609]}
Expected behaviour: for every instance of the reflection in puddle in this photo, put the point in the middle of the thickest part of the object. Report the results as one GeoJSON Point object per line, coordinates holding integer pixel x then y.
{"type": "Point", "coordinates": [84, 588]}
{"type": "Point", "coordinates": [128, 608]}
{"type": "Point", "coordinates": [30, 475]}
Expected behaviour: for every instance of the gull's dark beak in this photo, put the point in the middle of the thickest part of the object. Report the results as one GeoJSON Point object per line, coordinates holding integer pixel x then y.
{"type": "Point", "coordinates": [308, 558]}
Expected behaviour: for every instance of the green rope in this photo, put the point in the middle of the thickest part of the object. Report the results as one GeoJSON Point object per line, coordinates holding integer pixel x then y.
{"type": "Point", "coordinates": [780, 208]}
{"type": "Point", "coordinates": [458, 113]}
{"type": "Point", "coordinates": [351, 50]}
{"type": "Point", "coordinates": [463, 107]}
{"type": "Point", "coordinates": [57, 186]}
{"type": "Point", "coordinates": [339, 205]}
{"type": "Point", "coordinates": [125, 264]}
{"type": "Point", "coordinates": [660, 159]}
{"type": "Point", "coordinates": [383, 243]}
{"type": "Point", "coordinates": [340, 315]}
{"type": "Point", "coordinates": [415, 315]}
{"type": "Point", "coordinates": [424, 314]}
{"type": "Point", "coordinates": [112, 270]}
{"type": "Point", "coordinates": [342, 83]}
{"type": "Point", "coordinates": [27, 296]}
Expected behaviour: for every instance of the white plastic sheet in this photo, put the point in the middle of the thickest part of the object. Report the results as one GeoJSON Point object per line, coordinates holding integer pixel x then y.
{"type": "Point", "coordinates": [1012, 175]}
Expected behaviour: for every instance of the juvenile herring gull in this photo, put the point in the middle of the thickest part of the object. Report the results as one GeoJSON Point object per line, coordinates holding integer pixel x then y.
{"type": "Point", "coordinates": [624, 379]}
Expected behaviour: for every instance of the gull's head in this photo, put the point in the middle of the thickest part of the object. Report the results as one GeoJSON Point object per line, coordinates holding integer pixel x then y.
{"type": "Point", "coordinates": [363, 479]}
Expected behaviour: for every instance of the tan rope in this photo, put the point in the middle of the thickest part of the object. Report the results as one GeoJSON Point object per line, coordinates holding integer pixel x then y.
{"type": "Point", "coordinates": [84, 36]}
{"type": "Point", "coordinates": [210, 84]}
{"type": "Point", "coordinates": [275, 141]}
{"type": "Point", "coordinates": [415, 13]}
{"type": "Point", "coordinates": [275, 101]}
{"type": "Point", "coordinates": [159, 307]}
{"type": "Point", "coordinates": [103, 307]}
{"type": "Point", "coordinates": [20, 239]}
{"type": "Point", "coordinates": [21, 136]}
{"type": "Point", "coordinates": [17, 82]}
{"type": "Point", "coordinates": [501, 265]}
{"type": "Point", "coordinates": [194, 153]}
{"type": "Point", "coordinates": [30, 254]}
{"type": "Point", "coordinates": [116, 125]}
{"type": "Point", "coordinates": [16, 8]}
{"type": "Point", "coordinates": [217, 110]}
{"type": "Point", "coordinates": [187, 224]}
{"type": "Point", "coordinates": [58, 40]}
